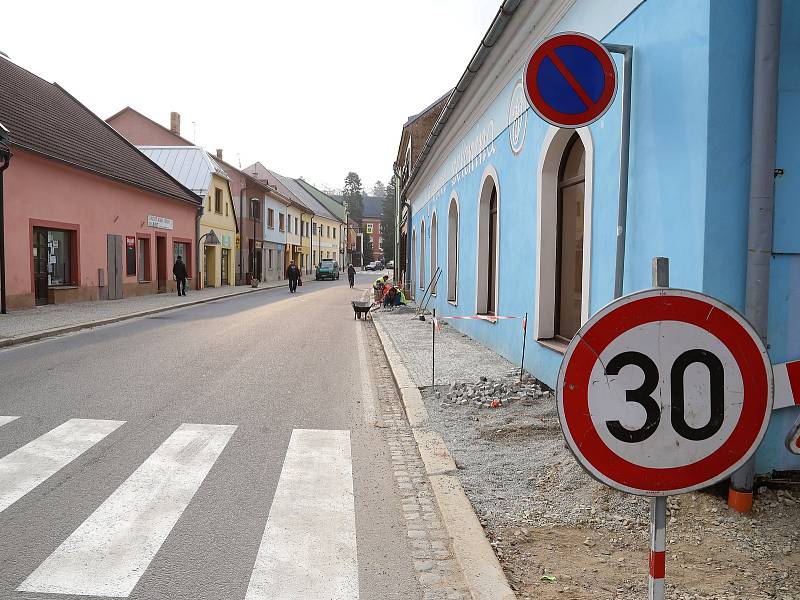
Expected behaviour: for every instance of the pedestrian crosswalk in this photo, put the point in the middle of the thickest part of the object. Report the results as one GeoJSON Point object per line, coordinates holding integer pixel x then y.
{"type": "Point", "coordinates": [24, 469]}
{"type": "Point", "coordinates": [308, 547]}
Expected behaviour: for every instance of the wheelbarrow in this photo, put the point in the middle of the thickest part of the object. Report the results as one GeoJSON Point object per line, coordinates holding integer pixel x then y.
{"type": "Point", "coordinates": [361, 308]}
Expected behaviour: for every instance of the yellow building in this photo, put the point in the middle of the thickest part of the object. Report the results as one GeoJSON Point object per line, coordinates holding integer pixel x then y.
{"type": "Point", "coordinates": [199, 172]}
{"type": "Point", "coordinates": [305, 240]}
{"type": "Point", "coordinates": [219, 265]}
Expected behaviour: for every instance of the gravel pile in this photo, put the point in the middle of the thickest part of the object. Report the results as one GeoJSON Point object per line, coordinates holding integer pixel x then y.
{"type": "Point", "coordinates": [513, 462]}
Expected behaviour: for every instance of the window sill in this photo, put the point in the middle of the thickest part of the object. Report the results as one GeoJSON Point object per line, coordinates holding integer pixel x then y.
{"type": "Point", "coordinates": [64, 286]}
{"type": "Point", "coordinates": [556, 344]}
{"type": "Point", "coordinates": [145, 281]}
{"type": "Point", "coordinates": [452, 302]}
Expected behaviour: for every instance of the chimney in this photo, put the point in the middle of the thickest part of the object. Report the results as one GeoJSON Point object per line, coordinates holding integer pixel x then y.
{"type": "Point", "coordinates": [219, 153]}
{"type": "Point", "coordinates": [175, 123]}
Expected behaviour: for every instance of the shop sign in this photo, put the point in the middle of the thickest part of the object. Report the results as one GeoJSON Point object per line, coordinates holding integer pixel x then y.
{"type": "Point", "coordinates": [159, 222]}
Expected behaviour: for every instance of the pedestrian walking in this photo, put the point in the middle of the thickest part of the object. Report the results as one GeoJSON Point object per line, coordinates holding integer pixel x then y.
{"type": "Point", "coordinates": [179, 271]}
{"type": "Point", "coordinates": [293, 275]}
{"type": "Point", "coordinates": [351, 274]}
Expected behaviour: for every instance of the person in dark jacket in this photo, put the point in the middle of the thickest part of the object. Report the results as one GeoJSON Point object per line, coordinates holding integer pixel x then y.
{"type": "Point", "coordinates": [351, 274]}
{"type": "Point", "coordinates": [179, 271]}
{"type": "Point", "coordinates": [293, 275]}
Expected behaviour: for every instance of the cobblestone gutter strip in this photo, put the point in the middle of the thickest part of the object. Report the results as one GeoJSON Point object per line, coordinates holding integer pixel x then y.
{"type": "Point", "coordinates": [46, 333]}
{"type": "Point", "coordinates": [481, 570]}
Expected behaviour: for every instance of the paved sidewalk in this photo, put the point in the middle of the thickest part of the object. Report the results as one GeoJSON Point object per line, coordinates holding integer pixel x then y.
{"type": "Point", "coordinates": [20, 325]}
{"type": "Point", "coordinates": [458, 357]}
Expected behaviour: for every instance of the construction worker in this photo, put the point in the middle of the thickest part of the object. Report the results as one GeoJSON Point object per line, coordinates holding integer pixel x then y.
{"type": "Point", "coordinates": [378, 286]}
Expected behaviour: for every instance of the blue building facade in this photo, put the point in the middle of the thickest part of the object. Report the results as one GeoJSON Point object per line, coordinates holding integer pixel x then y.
{"type": "Point", "coordinates": [487, 200]}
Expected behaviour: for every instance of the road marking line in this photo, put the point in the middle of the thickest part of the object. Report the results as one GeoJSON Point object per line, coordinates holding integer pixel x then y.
{"type": "Point", "coordinates": [309, 545]}
{"type": "Point", "coordinates": [27, 467]}
{"type": "Point", "coordinates": [108, 553]}
{"type": "Point", "coordinates": [367, 389]}
{"type": "Point", "coordinates": [4, 420]}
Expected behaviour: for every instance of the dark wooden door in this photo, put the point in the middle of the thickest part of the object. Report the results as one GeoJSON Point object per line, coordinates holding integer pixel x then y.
{"type": "Point", "coordinates": [224, 261]}
{"type": "Point", "coordinates": [40, 266]}
{"type": "Point", "coordinates": [491, 280]}
{"type": "Point", "coordinates": [161, 263]}
{"type": "Point", "coordinates": [114, 265]}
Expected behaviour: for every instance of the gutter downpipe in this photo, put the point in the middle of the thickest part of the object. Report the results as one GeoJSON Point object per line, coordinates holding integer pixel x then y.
{"type": "Point", "coordinates": [241, 229]}
{"type": "Point", "coordinates": [198, 238]}
{"type": "Point", "coordinates": [762, 196]}
{"type": "Point", "coordinates": [3, 167]}
{"type": "Point", "coordinates": [624, 163]}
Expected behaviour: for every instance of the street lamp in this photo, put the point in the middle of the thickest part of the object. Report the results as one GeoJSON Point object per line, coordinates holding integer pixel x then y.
{"type": "Point", "coordinates": [212, 240]}
{"type": "Point", "coordinates": [5, 159]}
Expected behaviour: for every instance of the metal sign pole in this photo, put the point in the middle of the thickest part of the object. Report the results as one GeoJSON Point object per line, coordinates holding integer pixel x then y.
{"type": "Point", "coordinates": [524, 339]}
{"type": "Point", "coordinates": [658, 504]}
{"type": "Point", "coordinates": [658, 540]}
{"type": "Point", "coordinates": [433, 351]}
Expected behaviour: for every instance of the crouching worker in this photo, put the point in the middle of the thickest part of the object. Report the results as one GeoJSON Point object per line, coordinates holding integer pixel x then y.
{"type": "Point", "coordinates": [378, 287]}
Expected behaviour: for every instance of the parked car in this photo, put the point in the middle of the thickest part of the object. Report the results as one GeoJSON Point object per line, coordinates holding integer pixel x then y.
{"type": "Point", "coordinates": [327, 269]}
{"type": "Point", "coordinates": [379, 265]}
{"type": "Point", "coordinates": [371, 266]}
{"type": "Point", "coordinates": [390, 264]}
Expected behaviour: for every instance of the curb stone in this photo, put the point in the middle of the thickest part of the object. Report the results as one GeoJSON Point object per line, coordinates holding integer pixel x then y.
{"type": "Point", "coordinates": [481, 569]}
{"type": "Point", "coordinates": [47, 333]}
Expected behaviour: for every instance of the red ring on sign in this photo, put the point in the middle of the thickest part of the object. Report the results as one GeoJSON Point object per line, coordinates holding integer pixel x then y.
{"type": "Point", "coordinates": [640, 312]}
{"type": "Point", "coordinates": [545, 110]}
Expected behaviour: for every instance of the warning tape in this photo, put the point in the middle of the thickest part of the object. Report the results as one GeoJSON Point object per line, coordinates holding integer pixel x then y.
{"type": "Point", "coordinates": [490, 318]}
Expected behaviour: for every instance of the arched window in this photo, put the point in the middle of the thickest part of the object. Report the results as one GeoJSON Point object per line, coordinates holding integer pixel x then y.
{"type": "Point", "coordinates": [412, 287]}
{"type": "Point", "coordinates": [452, 251]}
{"type": "Point", "coordinates": [564, 229]}
{"type": "Point", "coordinates": [422, 281]}
{"type": "Point", "coordinates": [434, 250]}
{"type": "Point", "coordinates": [569, 235]}
{"type": "Point", "coordinates": [488, 234]}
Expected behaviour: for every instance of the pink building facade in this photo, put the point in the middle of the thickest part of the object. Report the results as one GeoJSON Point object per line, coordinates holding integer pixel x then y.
{"type": "Point", "coordinates": [77, 211]}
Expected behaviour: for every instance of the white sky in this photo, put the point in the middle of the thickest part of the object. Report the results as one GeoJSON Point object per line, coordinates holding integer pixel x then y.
{"type": "Point", "coordinates": [306, 87]}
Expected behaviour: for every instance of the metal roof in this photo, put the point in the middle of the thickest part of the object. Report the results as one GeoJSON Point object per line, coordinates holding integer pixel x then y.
{"type": "Point", "coordinates": [191, 165]}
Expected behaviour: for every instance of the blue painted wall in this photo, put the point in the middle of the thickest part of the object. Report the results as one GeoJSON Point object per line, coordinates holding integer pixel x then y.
{"type": "Point", "coordinates": [688, 187]}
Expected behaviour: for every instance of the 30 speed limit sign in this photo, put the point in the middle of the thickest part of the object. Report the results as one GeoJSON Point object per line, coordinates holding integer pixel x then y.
{"type": "Point", "coordinates": [663, 392]}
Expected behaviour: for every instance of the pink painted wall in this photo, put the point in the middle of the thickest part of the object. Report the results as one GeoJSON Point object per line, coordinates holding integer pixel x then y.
{"type": "Point", "coordinates": [37, 188]}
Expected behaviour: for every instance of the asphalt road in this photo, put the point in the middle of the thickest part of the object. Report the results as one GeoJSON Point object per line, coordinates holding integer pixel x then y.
{"type": "Point", "coordinates": [146, 458]}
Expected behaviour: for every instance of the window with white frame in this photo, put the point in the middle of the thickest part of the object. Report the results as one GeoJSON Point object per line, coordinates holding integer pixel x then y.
{"type": "Point", "coordinates": [422, 255]}
{"type": "Point", "coordinates": [434, 251]}
{"type": "Point", "coordinates": [563, 234]}
{"type": "Point", "coordinates": [452, 251]}
{"type": "Point", "coordinates": [488, 245]}
{"type": "Point", "coordinates": [412, 287]}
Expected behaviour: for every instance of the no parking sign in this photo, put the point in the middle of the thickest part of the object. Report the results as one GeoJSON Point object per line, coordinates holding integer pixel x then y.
{"type": "Point", "coordinates": [570, 80]}
{"type": "Point", "coordinates": [664, 392]}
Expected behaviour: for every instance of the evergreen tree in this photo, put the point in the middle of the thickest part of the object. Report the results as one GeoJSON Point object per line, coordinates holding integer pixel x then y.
{"type": "Point", "coordinates": [368, 250]}
{"type": "Point", "coordinates": [379, 189]}
{"type": "Point", "coordinates": [353, 195]}
{"type": "Point", "coordinates": [387, 219]}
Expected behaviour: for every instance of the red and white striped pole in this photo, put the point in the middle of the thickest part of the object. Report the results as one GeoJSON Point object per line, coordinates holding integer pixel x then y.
{"type": "Point", "coordinates": [658, 540]}
{"type": "Point", "coordinates": [658, 504]}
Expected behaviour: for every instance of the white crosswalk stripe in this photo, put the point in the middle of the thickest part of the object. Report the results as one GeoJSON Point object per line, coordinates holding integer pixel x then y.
{"type": "Point", "coordinates": [110, 551]}
{"type": "Point", "coordinates": [4, 420]}
{"type": "Point", "coordinates": [25, 468]}
{"type": "Point", "coordinates": [309, 545]}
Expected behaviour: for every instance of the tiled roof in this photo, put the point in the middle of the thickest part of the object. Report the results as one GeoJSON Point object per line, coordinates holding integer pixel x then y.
{"type": "Point", "coordinates": [290, 188]}
{"type": "Point", "coordinates": [43, 118]}
{"type": "Point", "coordinates": [191, 165]}
{"type": "Point", "coordinates": [324, 199]}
